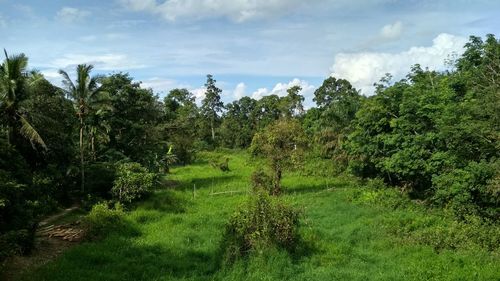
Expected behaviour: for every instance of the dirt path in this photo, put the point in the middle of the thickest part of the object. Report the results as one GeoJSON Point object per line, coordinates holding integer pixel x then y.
{"type": "Point", "coordinates": [52, 239]}
{"type": "Point", "coordinates": [57, 216]}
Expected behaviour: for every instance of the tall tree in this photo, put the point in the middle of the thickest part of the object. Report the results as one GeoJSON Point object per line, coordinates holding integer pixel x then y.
{"type": "Point", "coordinates": [14, 90]}
{"type": "Point", "coordinates": [212, 104]}
{"type": "Point", "coordinates": [181, 114]}
{"type": "Point", "coordinates": [292, 103]}
{"type": "Point", "coordinates": [86, 95]}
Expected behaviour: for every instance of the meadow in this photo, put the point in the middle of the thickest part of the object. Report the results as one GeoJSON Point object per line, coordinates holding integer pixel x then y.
{"type": "Point", "coordinates": [175, 234]}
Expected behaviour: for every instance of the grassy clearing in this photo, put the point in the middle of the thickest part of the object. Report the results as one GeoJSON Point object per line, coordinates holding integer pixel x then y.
{"type": "Point", "coordinates": [174, 235]}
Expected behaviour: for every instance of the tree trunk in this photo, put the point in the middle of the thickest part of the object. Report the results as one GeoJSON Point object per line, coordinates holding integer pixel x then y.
{"type": "Point", "coordinates": [93, 147]}
{"type": "Point", "coordinates": [277, 179]}
{"type": "Point", "coordinates": [213, 130]}
{"type": "Point", "coordinates": [82, 163]}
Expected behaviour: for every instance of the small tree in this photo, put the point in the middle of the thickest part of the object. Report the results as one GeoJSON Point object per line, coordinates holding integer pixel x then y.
{"type": "Point", "coordinates": [212, 104]}
{"type": "Point", "coordinates": [132, 182]}
{"type": "Point", "coordinates": [281, 144]}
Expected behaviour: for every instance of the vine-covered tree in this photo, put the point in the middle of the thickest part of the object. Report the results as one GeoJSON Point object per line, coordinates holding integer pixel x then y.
{"type": "Point", "coordinates": [282, 144]}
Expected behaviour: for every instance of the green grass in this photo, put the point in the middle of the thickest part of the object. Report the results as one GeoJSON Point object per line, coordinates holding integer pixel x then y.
{"type": "Point", "coordinates": [176, 233]}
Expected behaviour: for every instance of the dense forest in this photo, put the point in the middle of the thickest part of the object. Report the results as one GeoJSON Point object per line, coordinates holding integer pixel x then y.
{"type": "Point", "coordinates": [434, 136]}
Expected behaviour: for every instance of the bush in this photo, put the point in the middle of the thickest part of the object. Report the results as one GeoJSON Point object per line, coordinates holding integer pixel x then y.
{"type": "Point", "coordinates": [102, 220]}
{"type": "Point", "coordinates": [99, 178]}
{"type": "Point", "coordinates": [132, 182]}
{"type": "Point", "coordinates": [17, 219]}
{"type": "Point", "coordinates": [16, 242]}
{"type": "Point", "coordinates": [469, 191]}
{"type": "Point", "coordinates": [264, 223]}
{"type": "Point", "coordinates": [261, 181]}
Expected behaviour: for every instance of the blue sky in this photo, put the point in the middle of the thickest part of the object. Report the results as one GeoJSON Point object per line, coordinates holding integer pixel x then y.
{"type": "Point", "coordinates": [252, 47]}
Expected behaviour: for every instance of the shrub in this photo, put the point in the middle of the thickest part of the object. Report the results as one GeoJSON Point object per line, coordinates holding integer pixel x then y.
{"type": "Point", "coordinates": [261, 181]}
{"type": "Point", "coordinates": [469, 191]}
{"type": "Point", "coordinates": [102, 220]}
{"type": "Point", "coordinates": [264, 223]}
{"type": "Point", "coordinates": [132, 182]}
{"type": "Point", "coordinates": [99, 178]}
{"type": "Point", "coordinates": [17, 219]}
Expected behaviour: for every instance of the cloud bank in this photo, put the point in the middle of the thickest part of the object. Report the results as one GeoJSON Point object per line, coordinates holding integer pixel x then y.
{"type": "Point", "coordinates": [365, 68]}
{"type": "Point", "coordinates": [281, 88]}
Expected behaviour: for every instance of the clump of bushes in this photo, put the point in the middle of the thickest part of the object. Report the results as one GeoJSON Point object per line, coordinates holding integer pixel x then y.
{"type": "Point", "coordinates": [102, 220]}
{"type": "Point", "coordinates": [264, 223]}
{"type": "Point", "coordinates": [132, 182]}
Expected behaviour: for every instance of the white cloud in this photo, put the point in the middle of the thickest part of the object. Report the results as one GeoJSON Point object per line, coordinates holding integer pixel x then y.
{"type": "Point", "coordinates": [392, 31]}
{"type": "Point", "coordinates": [69, 14]}
{"type": "Point", "coordinates": [100, 62]}
{"type": "Point", "coordinates": [199, 94]}
{"type": "Point", "coordinates": [365, 68]}
{"type": "Point", "coordinates": [236, 10]}
{"type": "Point", "coordinates": [159, 85]}
{"type": "Point", "coordinates": [239, 91]}
{"type": "Point", "coordinates": [260, 93]}
{"type": "Point", "coordinates": [280, 89]}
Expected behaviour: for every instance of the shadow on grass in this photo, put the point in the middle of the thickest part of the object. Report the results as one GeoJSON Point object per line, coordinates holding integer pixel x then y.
{"type": "Point", "coordinates": [166, 201]}
{"type": "Point", "coordinates": [116, 258]}
{"type": "Point", "coordinates": [207, 182]}
{"type": "Point", "coordinates": [315, 187]}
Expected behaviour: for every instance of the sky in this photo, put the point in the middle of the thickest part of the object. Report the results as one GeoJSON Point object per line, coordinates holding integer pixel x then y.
{"type": "Point", "coordinates": [251, 47]}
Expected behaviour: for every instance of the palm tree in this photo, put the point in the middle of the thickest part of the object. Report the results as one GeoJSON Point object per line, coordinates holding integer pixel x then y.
{"type": "Point", "coordinates": [86, 95]}
{"type": "Point", "coordinates": [14, 89]}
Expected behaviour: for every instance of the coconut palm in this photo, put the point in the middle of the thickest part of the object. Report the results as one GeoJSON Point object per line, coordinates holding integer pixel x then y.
{"type": "Point", "coordinates": [87, 97]}
{"type": "Point", "coordinates": [14, 87]}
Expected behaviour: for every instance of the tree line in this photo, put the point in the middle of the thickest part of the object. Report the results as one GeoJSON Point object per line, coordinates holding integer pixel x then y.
{"type": "Point", "coordinates": [434, 135]}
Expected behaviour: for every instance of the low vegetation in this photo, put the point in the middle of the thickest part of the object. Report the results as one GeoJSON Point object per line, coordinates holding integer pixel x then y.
{"type": "Point", "coordinates": [347, 231]}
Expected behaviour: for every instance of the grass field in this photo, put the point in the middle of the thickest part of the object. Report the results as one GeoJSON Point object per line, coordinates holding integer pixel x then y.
{"type": "Point", "coordinates": [175, 235]}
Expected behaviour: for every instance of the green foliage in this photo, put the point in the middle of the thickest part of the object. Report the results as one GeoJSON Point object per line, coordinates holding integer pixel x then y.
{"type": "Point", "coordinates": [264, 223]}
{"type": "Point", "coordinates": [14, 90]}
{"type": "Point", "coordinates": [261, 182]}
{"type": "Point", "coordinates": [17, 205]}
{"type": "Point", "coordinates": [434, 134]}
{"type": "Point", "coordinates": [282, 144]}
{"type": "Point", "coordinates": [178, 237]}
{"type": "Point", "coordinates": [222, 165]}
{"type": "Point", "coordinates": [132, 182]}
{"type": "Point", "coordinates": [181, 114]}
{"type": "Point", "coordinates": [100, 178]}
{"type": "Point", "coordinates": [211, 106]}
{"type": "Point", "coordinates": [102, 220]}
{"type": "Point", "coordinates": [469, 191]}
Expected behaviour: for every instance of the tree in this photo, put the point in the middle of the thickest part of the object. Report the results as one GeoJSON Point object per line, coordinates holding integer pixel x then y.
{"type": "Point", "coordinates": [14, 90]}
{"type": "Point", "coordinates": [291, 104]}
{"type": "Point", "coordinates": [239, 124]}
{"type": "Point", "coordinates": [135, 123]}
{"type": "Point", "coordinates": [181, 114]}
{"type": "Point", "coordinates": [281, 143]}
{"type": "Point", "coordinates": [337, 103]}
{"type": "Point", "coordinates": [86, 95]}
{"type": "Point", "coordinates": [212, 104]}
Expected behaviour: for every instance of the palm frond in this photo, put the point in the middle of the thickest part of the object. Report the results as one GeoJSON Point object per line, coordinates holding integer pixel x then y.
{"type": "Point", "coordinates": [68, 84]}
{"type": "Point", "coordinates": [30, 133]}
